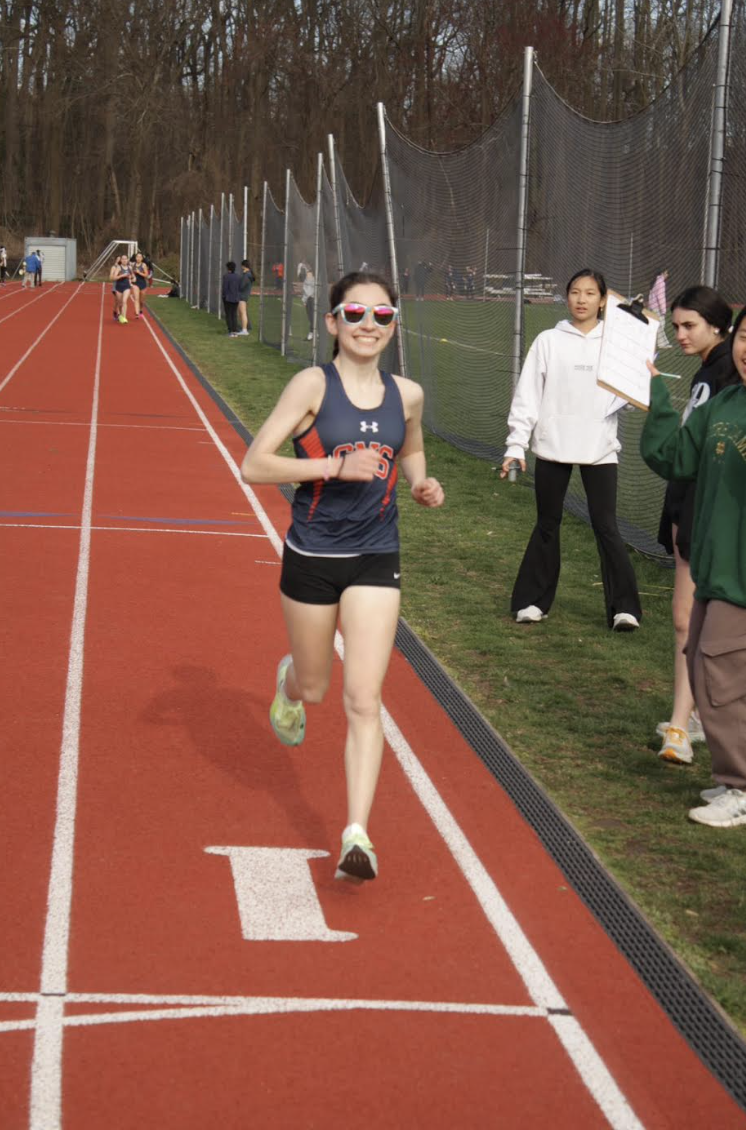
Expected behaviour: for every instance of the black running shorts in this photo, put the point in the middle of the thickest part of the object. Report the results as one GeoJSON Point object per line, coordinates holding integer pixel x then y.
{"type": "Point", "coordinates": [322, 580]}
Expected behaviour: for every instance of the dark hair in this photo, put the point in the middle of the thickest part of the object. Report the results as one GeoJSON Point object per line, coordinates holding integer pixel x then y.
{"type": "Point", "coordinates": [355, 278]}
{"type": "Point", "coordinates": [587, 273]}
{"type": "Point", "coordinates": [708, 303]}
{"type": "Point", "coordinates": [246, 263]}
{"type": "Point", "coordinates": [230, 266]}
{"type": "Point", "coordinates": [739, 319]}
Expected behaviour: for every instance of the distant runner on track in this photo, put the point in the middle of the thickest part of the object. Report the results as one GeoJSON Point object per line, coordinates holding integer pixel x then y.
{"type": "Point", "coordinates": [123, 286]}
{"type": "Point", "coordinates": [353, 426]}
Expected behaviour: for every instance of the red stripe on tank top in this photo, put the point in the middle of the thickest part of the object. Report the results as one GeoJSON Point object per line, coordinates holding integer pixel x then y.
{"type": "Point", "coordinates": [390, 489]}
{"type": "Point", "coordinates": [314, 449]}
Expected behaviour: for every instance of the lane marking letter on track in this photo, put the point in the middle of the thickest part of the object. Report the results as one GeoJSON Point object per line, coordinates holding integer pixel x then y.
{"type": "Point", "coordinates": [276, 896]}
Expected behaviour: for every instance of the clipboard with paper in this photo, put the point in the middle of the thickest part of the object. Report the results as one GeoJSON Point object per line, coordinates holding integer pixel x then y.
{"type": "Point", "coordinates": [629, 340]}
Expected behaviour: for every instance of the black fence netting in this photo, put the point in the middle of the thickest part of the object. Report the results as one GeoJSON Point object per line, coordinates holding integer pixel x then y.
{"type": "Point", "coordinates": [629, 199]}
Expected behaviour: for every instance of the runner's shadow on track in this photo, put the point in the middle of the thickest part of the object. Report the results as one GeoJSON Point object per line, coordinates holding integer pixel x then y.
{"type": "Point", "coordinates": [228, 726]}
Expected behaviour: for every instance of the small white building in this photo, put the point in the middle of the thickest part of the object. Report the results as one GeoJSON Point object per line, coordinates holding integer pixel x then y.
{"type": "Point", "coordinates": [60, 256]}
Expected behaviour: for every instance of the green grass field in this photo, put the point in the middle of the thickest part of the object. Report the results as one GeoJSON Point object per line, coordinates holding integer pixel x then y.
{"type": "Point", "coordinates": [576, 703]}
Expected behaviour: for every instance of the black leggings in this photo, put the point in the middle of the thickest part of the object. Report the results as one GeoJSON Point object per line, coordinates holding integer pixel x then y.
{"type": "Point", "coordinates": [538, 575]}
{"type": "Point", "coordinates": [231, 316]}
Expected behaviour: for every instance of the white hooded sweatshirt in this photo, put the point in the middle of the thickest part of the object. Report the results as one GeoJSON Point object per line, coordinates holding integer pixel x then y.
{"type": "Point", "coordinates": [557, 400]}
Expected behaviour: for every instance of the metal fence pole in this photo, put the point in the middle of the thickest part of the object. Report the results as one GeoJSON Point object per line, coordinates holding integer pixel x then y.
{"type": "Point", "coordinates": [245, 221]}
{"type": "Point", "coordinates": [285, 265]}
{"type": "Point", "coordinates": [392, 237]}
{"type": "Point", "coordinates": [717, 148]}
{"type": "Point", "coordinates": [192, 226]}
{"type": "Point", "coordinates": [519, 328]}
{"type": "Point", "coordinates": [337, 228]}
{"type": "Point", "coordinates": [199, 261]}
{"type": "Point", "coordinates": [181, 257]}
{"type": "Point", "coordinates": [209, 262]}
{"type": "Point", "coordinates": [230, 225]}
{"type": "Point", "coordinates": [486, 262]}
{"type": "Point", "coordinates": [195, 253]}
{"type": "Point", "coordinates": [317, 255]}
{"type": "Point", "coordinates": [261, 265]}
{"type": "Point", "coordinates": [220, 252]}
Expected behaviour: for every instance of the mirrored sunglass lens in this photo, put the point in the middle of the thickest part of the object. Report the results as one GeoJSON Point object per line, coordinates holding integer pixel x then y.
{"type": "Point", "coordinates": [353, 313]}
{"type": "Point", "coordinates": [384, 315]}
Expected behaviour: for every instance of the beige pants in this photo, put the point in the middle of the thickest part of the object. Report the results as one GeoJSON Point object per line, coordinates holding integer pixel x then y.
{"type": "Point", "coordinates": [716, 658]}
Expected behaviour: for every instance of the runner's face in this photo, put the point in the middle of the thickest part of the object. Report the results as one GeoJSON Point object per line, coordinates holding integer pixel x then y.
{"type": "Point", "coordinates": [366, 339]}
{"type": "Point", "coordinates": [739, 350]}
{"type": "Point", "coordinates": [695, 336]}
{"type": "Point", "coordinates": [584, 301]}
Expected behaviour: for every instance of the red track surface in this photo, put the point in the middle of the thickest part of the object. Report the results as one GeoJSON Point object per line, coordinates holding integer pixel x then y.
{"type": "Point", "coordinates": [137, 1002]}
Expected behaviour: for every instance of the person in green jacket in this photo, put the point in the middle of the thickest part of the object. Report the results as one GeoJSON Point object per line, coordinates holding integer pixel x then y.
{"type": "Point", "coordinates": [711, 449]}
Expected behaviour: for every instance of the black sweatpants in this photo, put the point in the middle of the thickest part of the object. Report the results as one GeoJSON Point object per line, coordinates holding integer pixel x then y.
{"type": "Point", "coordinates": [231, 316]}
{"type": "Point", "coordinates": [538, 575]}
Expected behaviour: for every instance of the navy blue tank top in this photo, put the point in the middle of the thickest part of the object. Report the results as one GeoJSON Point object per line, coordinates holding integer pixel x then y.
{"type": "Point", "coordinates": [338, 518]}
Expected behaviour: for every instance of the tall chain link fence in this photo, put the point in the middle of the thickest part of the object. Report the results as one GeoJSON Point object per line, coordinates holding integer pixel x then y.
{"type": "Point", "coordinates": [628, 198]}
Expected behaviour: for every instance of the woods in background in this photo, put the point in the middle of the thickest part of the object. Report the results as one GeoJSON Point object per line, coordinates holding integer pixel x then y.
{"type": "Point", "coordinates": [116, 116]}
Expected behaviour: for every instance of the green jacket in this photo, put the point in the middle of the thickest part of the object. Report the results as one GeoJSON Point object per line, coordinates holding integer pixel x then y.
{"type": "Point", "coordinates": [711, 448]}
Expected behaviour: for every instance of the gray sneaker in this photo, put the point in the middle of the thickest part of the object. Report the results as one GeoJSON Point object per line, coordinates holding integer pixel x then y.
{"type": "Point", "coordinates": [726, 811]}
{"type": "Point", "coordinates": [709, 795]}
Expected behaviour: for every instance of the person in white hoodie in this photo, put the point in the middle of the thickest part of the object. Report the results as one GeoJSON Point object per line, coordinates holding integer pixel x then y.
{"type": "Point", "coordinates": [568, 419]}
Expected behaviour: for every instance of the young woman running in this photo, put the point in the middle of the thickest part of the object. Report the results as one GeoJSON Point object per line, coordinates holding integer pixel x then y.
{"type": "Point", "coordinates": [701, 321]}
{"type": "Point", "coordinates": [140, 279]}
{"type": "Point", "coordinates": [123, 287]}
{"type": "Point", "coordinates": [113, 276]}
{"type": "Point", "coordinates": [710, 448]}
{"type": "Point", "coordinates": [569, 419]}
{"type": "Point", "coordinates": [353, 428]}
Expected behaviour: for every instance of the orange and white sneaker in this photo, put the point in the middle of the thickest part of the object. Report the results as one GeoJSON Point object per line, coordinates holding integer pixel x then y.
{"type": "Point", "coordinates": [676, 746]}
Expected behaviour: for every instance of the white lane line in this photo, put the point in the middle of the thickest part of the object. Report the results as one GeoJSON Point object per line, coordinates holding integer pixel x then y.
{"type": "Point", "coordinates": [20, 309]}
{"type": "Point", "coordinates": [46, 1069]}
{"type": "Point", "coordinates": [198, 1008]}
{"type": "Point", "coordinates": [43, 334]}
{"type": "Point", "coordinates": [541, 988]}
{"type": "Point", "coordinates": [131, 530]}
{"type": "Point", "coordinates": [279, 1003]}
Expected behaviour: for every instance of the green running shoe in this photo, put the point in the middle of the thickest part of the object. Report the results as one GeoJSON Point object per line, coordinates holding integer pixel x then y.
{"type": "Point", "coordinates": [288, 718]}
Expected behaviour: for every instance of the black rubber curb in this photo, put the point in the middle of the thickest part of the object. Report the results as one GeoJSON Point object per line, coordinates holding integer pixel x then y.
{"type": "Point", "coordinates": [707, 1030]}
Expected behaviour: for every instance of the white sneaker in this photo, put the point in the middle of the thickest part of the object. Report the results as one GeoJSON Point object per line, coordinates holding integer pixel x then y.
{"type": "Point", "coordinates": [709, 795]}
{"type": "Point", "coordinates": [243, 333]}
{"type": "Point", "coordinates": [625, 622]}
{"type": "Point", "coordinates": [694, 728]}
{"type": "Point", "coordinates": [309, 337]}
{"type": "Point", "coordinates": [726, 811]}
{"type": "Point", "coordinates": [529, 615]}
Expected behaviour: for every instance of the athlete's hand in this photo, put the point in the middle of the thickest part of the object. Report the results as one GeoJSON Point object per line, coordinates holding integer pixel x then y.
{"type": "Point", "coordinates": [507, 464]}
{"type": "Point", "coordinates": [359, 466]}
{"type": "Point", "coordinates": [652, 369]}
{"type": "Point", "coordinates": [428, 492]}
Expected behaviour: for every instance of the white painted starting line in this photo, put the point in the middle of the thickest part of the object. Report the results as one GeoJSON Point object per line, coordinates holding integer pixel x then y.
{"type": "Point", "coordinates": [46, 1081]}
{"type": "Point", "coordinates": [194, 1008]}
